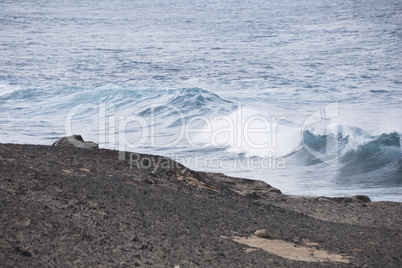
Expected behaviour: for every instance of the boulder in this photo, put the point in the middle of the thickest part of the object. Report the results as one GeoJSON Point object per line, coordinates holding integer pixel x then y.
{"type": "Point", "coordinates": [262, 233]}
{"type": "Point", "coordinates": [75, 140]}
{"type": "Point", "coordinates": [363, 198]}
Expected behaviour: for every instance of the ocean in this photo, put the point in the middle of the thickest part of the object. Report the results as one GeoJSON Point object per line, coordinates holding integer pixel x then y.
{"type": "Point", "coordinates": [304, 95]}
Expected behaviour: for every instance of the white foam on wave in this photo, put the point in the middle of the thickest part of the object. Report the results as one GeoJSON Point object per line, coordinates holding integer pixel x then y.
{"type": "Point", "coordinates": [251, 132]}
{"type": "Point", "coordinates": [6, 89]}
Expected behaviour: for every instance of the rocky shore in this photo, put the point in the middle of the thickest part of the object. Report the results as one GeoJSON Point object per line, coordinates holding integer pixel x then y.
{"type": "Point", "coordinates": [83, 206]}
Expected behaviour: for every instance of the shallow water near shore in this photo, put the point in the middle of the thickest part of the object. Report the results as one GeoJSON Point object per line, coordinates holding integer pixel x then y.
{"type": "Point", "coordinates": [307, 97]}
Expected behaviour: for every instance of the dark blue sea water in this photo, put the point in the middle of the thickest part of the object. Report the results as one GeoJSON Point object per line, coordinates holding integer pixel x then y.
{"type": "Point", "coordinates": [305, 95]}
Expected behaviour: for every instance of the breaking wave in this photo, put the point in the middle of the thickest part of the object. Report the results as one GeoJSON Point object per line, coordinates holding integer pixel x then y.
{"type": "Point", "coordinates": [43, 112]}
{"type": "Point", "coordinates": [357, 152]}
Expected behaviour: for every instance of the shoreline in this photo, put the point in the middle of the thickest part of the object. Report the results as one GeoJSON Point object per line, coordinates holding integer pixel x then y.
{"type": "Point", "coordinates": [76, 206]}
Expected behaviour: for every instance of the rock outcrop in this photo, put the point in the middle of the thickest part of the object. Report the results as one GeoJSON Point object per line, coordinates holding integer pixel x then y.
{"type": "Point", "coordinates": [75, 140]}
{"type": "Point", "coordinates": [63, 206]}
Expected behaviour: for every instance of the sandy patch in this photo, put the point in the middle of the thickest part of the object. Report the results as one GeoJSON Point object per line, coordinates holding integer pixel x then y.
{"type": "Point", "coordinates": [291, 251]}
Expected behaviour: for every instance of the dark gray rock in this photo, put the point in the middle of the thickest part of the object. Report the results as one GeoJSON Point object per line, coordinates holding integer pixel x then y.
{"type": "Point", "coordinates": [75, 140]}
{"type": "Point", "coordinates": [363, 198]}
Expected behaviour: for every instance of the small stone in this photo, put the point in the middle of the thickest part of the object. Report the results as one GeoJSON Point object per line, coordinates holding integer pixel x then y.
{"type": "Point", "coordinates": [26, 253]}
{"type": "Point", "coordinates": [276, 191]}
{"type": "Point", "coordinates": [93, 204]}
{"type": "Point", "coordinates": [148, 181]}
{"type": "Point", "coordinates": [252, 195]}
{"type": "Point", "coordinates": [23, 252]}
{"type": "Point", "coordinates": [262, 233]}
